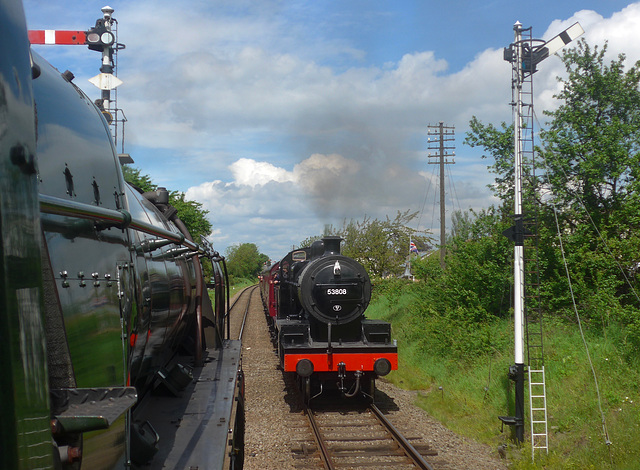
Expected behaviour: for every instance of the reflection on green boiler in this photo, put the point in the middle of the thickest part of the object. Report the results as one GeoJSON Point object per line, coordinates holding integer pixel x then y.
{"type": "Point", "coordinates": [95, 345]}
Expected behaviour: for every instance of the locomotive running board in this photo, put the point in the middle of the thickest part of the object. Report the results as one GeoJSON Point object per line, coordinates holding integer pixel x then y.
{"type": "Point", "coordinates": [196, 427]}
{"type": "Point", "coordinates": [90, 409]}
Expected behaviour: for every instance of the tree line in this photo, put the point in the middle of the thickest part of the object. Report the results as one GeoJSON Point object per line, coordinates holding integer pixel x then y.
{"type": "Point", "coordinates": [381, 246]}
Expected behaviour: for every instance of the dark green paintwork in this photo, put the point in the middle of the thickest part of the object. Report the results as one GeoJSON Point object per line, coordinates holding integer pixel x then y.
{"type": "Point", "coordinates": [24, 395]}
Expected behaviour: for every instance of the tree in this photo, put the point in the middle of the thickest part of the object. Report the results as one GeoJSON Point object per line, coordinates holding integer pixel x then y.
{"type": "Point", "coordinates": [498, 143]}
{"type": "Point", "coordinates": [592, 150]}
{"type": "Point", "coordinates": [245, 260]}
{"type": "Point", "coordinates": [592, 145]}
{"type": "Point", "coordinates": [190, 212]}
{"type": "Point", "coordinates": [591, 154]}
{"type": "Point", "coordinates": [134, 177]}
{"type": "Point", "coordinates": [328, 231]}
{"type": "Point", "coordinates": [462, 225]}
{"type": "Point", "coordinates": [478, 275]}
{"type": "Point", "coordinates": [381, 246]}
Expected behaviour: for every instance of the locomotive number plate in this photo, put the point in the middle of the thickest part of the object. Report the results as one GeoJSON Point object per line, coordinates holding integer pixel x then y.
{"type": "Point", "coordinates": [336, 291]}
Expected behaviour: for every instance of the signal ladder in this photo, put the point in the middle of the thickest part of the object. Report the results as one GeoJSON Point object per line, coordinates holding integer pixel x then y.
{"type": "Point", "coordinates": [535, 350]}
{"type": "Point", "coordinates": [533, 309]}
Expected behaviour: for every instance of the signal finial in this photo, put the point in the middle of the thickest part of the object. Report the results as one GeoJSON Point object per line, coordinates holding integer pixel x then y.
{"type": "Point", "coordinates": [107, 11]}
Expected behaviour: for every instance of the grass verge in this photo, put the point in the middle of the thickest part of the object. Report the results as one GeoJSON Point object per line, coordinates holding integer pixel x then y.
{"type": "Point", "coordinates": [467, 392]}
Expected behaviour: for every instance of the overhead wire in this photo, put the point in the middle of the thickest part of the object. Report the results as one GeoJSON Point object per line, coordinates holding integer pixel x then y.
{"type": "Point", "coordinates": [456, 199]}
{"type": "Point", "coordinates": [428, 183]}
{"type": "Point", "coordinates": [437, 187]}
{"type": "Point", "coordinates": [424, 201]}
{"type": "Point", "coordinates": [436, 191]}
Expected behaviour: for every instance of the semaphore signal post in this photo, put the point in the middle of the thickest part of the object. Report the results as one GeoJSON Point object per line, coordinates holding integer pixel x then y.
{"type": "Point", "coordinates": [103, 37]}
{"type": "Point", "coordinates": [525, 54]}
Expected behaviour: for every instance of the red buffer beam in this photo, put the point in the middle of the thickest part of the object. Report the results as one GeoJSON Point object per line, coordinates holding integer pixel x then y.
{"type": "Point", "coordinates": [52, 36]}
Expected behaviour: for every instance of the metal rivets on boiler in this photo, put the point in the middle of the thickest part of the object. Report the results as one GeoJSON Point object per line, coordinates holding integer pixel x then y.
{"type": "Point", "coordinates": [64, 275]}
{"type": "Point", "coordinates": [82, 283]}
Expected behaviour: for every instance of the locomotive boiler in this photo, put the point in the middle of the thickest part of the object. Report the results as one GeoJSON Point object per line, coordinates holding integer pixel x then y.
{"type": "Point", "coordinates": [108, 332]}
{"type": "Point", "coordinates": [319, 300]}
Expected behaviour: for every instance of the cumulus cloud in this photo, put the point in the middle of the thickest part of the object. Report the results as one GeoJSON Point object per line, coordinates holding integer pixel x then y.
{"type": "Point", "coordinates": [249, 172]}
{"type": "Point", "coordinates": [274, 215]}
{"type": "Point", "coordinates": [278, 127]}
{"type": "Point", "coordinates": [358, 126]}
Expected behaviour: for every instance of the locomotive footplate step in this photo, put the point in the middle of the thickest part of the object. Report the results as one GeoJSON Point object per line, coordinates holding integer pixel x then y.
{"type": "Point", "coordinates": [90, 409]}
{"type": "Point", "coordinates": [193, 428]}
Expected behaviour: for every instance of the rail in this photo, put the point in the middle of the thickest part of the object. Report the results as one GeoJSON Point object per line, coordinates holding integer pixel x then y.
{"type": "Point", "coordinates": [325, 455]}
{"type": "Point", "coordinates": [325, 452]}
{"type": "Point", "coordinates": [246, 310]}
{"type": "Point", "coordinates": [250, 290]}
{"type": "Point", "coordinates": [411, 452]}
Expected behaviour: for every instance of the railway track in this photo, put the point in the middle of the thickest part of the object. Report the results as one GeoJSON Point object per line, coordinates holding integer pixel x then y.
{"type": "Point", "coordinates": [351, 435]}
{"type": "Point", "coordinates": [353, 438]}
{"type": "Point", "coordinates": [280, 437]}
{"type": "Point", "coordinates": [243, 299]}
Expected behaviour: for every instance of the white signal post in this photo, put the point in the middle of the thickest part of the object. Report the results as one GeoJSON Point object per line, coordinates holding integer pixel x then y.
{"type": "Point", "coordinates": [518, 267]}
{"type": "Point", "coordinates": [518, 263]}
{"type": "Point", "coordinates": [524, 57]}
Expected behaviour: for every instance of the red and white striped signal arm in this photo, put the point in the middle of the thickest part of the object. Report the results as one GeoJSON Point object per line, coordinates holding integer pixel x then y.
{"type": "Point", "coordinates": [52, 36]}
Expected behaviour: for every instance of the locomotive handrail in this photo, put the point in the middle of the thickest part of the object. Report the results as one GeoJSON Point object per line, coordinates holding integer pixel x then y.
{"type": "Point", "coordinates": [112, 218]}
{"type": "Point", "coordinates": [57, 206]}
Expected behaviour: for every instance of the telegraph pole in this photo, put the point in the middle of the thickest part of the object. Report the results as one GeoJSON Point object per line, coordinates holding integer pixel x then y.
{"type": "Point", "coordinates": [444, 134]}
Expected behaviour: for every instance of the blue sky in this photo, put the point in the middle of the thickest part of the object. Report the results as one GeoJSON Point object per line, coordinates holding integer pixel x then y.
{"type": "Point", "coordinates": [281, 116]}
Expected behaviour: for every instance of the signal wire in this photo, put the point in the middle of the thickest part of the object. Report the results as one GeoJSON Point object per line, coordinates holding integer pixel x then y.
{"type": "Point", "coordinates": [573, 299]}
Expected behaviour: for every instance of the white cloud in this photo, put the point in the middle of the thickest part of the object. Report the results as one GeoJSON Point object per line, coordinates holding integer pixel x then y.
{"type": "Point", "coordinates": [249, 172]}
{"type": "Point", "coordinates": [263, 118]}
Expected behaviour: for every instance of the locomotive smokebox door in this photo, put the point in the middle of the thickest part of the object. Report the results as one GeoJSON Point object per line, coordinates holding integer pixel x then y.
{"type": "Point", "coordinates": [334, 289]}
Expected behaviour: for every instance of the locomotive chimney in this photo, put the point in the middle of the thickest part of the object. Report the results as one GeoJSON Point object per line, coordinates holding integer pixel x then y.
{"type": "Point", "coordinates": [159, 196]}
{"type": "Point", "coordinates": [332, 245]}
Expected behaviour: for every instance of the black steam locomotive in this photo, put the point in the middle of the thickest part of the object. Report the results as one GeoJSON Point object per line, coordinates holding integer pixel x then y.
{"type": "Point", "coordinates": [317, 298]}
{"type": "Point", "coordinates": [107, 332]}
